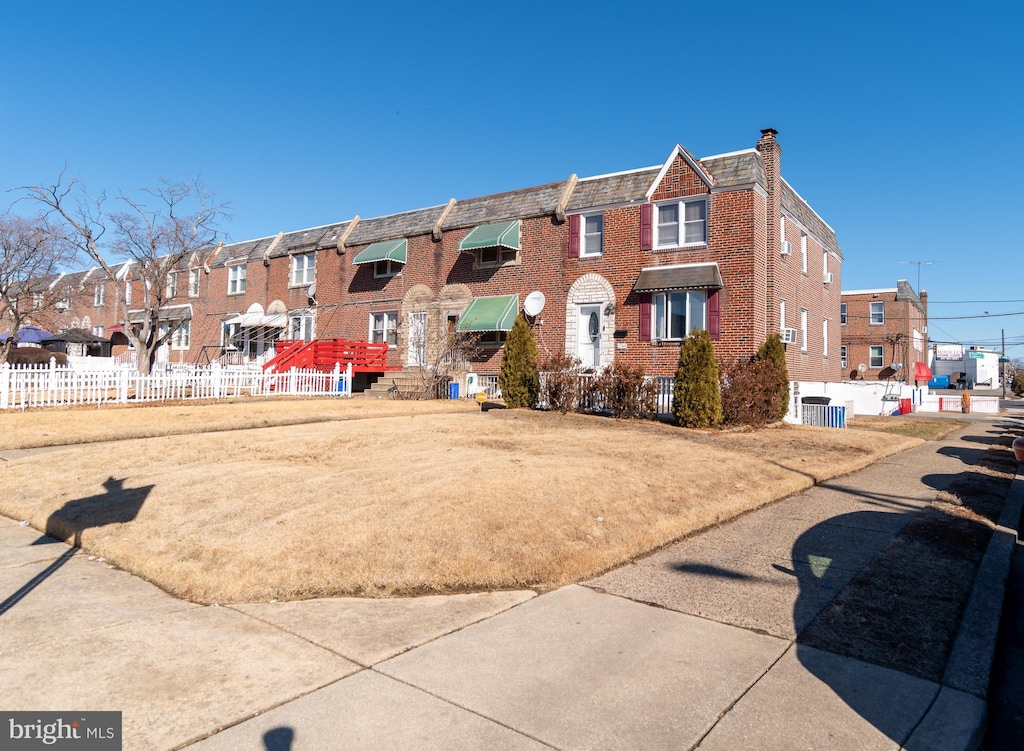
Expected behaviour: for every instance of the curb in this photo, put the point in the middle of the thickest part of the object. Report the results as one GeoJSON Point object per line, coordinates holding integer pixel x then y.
{"type": "Point", "coordinates": [958, 717]}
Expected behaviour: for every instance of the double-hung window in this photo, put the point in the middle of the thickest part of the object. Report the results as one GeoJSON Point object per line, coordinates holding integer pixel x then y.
{"type": "Point", "coordinates": [803, 329]}
{"type": "Point", "coordinates": [384, 328]}
{"type": "Point", "coordinates": [172, 286]}
{"type": "Point", "coordinates": [193, 283]}
{"type": "Point", "coordinates": [300, 325]}
{"type": "Point", "coordinates": [680, 223]}
{"type": "Point", "coordinates": [230, 333]}
{"type": "Point", "coordinates": [877, 313]}
{"type": "Point", "coordinates": [842, 357]}
{"type": "Point", "coordinates": [236, 279]}
{"type": "Point", "coordinates": [182, 335]}
{"type": "Point", "coordinates": [98, 293]}
{"type": "Point", "coordinates": [303, 269]}
{"type": "Point", "coordinates": [842, 314]}
{"type": "Point", "coordinates": [875, 356]}
{"type": "Point", "coordinates": [676, 314]}
{"type": "Point", "coordinates": [803, 252]}
{"type": "Point", "coordinates": [592, 235]}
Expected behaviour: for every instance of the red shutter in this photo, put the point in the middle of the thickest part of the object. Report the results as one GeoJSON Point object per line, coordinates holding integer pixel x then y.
{"type": "Point", "coordinates": [645, 317]}
{"type": "Point", "coordinates": [646, 230]}
{"type": "Point", "coordinates": [574, 236]}
{"type": "Point", "coordinates": [715, 314]}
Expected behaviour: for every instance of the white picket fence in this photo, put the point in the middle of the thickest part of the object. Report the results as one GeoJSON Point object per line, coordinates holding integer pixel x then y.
{"type": "Point", "coordinates": [22, 387]}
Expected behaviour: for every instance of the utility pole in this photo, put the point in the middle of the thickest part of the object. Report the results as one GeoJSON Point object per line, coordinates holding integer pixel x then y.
{"type": "Point", "coordinates": [1002, 362]}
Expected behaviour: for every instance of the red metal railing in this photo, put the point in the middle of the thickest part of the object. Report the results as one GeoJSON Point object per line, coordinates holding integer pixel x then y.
{"type": "Point", "coordinates": [324, 354]}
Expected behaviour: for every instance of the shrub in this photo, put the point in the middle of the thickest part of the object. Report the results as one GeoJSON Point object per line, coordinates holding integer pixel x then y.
{"type": "Point", "coordinates": [34, 356]}
{"type": "Point", "coordinates": [697, 401]}
{"type": "Point", "coordinates": [561, 383]}
{"type": "Point", "coordinates": [519, 378]}
{"type": "Point", "coordinates": [774, 351]}
{"type": "Point", "coordinates": [749, 393]}
{"type": "Point", "coordinates": [623, 391]}
{"type": "Point", "coordinates": [1017, 384]}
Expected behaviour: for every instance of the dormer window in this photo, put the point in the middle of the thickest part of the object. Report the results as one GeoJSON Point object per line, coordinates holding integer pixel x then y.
{"type": "Point", "coordinates": [680, 223]}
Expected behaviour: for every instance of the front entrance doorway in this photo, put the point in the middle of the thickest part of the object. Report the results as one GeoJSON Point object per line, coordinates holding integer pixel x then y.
{"type": "Point", "coordinates": [417, 341]}
{"type": "Point", "coordinates": [588, 337]}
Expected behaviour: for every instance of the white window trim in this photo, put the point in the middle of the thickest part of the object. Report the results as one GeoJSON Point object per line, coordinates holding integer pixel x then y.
{"type": "Point", "coordinates": [390, 319]}
{"type": "Point", "coordinates": [297, 318]}
{"type": "Point", "coordinates": [98, 294]}
{"type": "Point", "coordinates": [293, 280]}
{"type": "Point", "coordinates": [681, 223]}
{"type": "Point", "coordinates": [171, 289]}
{"type": "Point", "coordinates": [824, 337]}
{"type": "Point", "coordinates": [181, 341]}
{"type": "Point", "coordinates": [871, 315]}
{"type": "Point", "coordinates": [660, 326]}
{"type": "Point", "coordinates": [803, 252]}
{"type": "Point", "coordinates": [584, 253]}
{"type": "Point", "coordinates": [128, 292]}
{"type": "Point", "coordinates": [803, 329]}
{"type": "Point", "coordinates": [881, 356]}
{"type": "Point", "coordinates": [843, 359]}
{"type": "Point", "coordinates": [843, 313]}
{"type": "Point", "coordinates": [782, 314]}
{"type": "Point", "coordinates": [240, 273]}
{"type": "Point", "coordinates": [193, 288]}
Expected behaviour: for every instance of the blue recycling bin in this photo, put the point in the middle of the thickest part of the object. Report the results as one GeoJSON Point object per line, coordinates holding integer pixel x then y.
{"type": "Point", "coordinates": [453, 390]}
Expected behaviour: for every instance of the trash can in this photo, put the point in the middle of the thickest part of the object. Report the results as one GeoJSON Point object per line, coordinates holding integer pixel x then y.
{"type": "Point", "coordinates": [453, 390]}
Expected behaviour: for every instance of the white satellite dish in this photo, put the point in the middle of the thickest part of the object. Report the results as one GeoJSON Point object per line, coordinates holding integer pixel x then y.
{"type": "Point", "coordinates": [534, 303]}
{"type": "Point", "coordinates": [862, 367]}
{"type": "Point", "coordinates": [311, 293]}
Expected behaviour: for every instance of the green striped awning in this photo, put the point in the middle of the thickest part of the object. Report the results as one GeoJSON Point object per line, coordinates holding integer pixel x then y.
{"type": "Point", "coordinates": [490, 314]}
{"type": "Point", "coordinates": [501, 235]}
{"type": "Point", "coordinates": [389, 250]}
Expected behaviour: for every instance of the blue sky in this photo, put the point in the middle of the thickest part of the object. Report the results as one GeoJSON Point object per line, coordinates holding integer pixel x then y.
{"type": "Point", "coordinates": [900, 122]}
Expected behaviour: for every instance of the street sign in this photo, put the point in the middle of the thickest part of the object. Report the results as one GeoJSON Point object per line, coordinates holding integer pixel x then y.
{"type": "Point", "coordinates": [976, 355]}
{"type": "Point", "coordinates": [1004, 360]}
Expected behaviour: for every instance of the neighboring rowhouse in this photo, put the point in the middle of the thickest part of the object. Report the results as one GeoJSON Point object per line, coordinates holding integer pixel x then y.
{"type": "Point", "coordinates": [882, 328]}
{"type": "Point", "coordinates": [627, 263]}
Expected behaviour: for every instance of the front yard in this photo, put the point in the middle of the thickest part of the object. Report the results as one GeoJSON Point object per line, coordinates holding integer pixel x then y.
{"type": "Point", "coordinates": [379, 498]}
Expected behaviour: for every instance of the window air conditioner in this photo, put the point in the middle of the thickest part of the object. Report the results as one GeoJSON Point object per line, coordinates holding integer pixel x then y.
{"type": "Point", "coordinates": [924, 329]}
{"type": "Point", "coordinates": [789, 336]}
{"type": "Point", "coordinates": [828, 277]}
{"type": "Point", "coordinates": [61, 305]}
{"type": "Point", "coordinates": [787, 247]}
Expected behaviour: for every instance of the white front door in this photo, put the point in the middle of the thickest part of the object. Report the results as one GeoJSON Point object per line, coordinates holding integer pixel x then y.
{"type": "Point", "coordinates": [588, 336]}
{"type": "Point", "coordinates": [417, 339]}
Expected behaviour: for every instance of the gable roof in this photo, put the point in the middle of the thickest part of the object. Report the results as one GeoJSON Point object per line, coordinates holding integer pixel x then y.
{"type": "Point", "coordinates": [615, 188]}
{"type": "Point", "coordinates": [681, 153]}
{"type": "Point", "coordinates": [808, 217]}
{"type": "Point", "coordinates": [737, 168]}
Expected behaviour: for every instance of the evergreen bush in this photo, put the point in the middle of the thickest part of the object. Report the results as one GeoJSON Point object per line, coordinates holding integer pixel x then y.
{"type": "Point", "coordinates": [697, 401]}
{"type": "Point", "coordinates": [774, 351]}
{"type": "Point", "coordinates": [519, 377]}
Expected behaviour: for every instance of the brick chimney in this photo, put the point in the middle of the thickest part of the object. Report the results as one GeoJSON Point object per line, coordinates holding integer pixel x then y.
{"type": "Point", "coordinates": [771, 155]}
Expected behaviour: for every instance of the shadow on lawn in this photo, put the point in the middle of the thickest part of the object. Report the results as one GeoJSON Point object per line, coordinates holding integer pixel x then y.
{"type": "Point", "coordinates": [115, 506]}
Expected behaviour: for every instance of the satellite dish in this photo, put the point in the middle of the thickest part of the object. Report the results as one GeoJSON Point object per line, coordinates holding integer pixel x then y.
{"type": "Point", "coordinates": [534, 303]}
{"type": "Point", "coordinates": [311, 293]}
{"type": "Point", "coordinates": [862, 367]}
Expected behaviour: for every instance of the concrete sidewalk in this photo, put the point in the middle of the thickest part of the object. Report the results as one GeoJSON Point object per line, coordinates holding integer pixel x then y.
{"type": "Point", "coordinates": [694, 646]}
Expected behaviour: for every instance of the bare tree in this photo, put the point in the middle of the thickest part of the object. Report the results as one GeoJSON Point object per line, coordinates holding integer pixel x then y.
{"type": "Point", "coordinates": [152, 239]}
{"type": "Point", "coordinates": [29, 259]}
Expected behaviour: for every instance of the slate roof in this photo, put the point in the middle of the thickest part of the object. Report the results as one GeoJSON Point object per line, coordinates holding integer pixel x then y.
{"type": "Point", "coordinates": [395, 226]}
{"type": "Point", "coordinates": [740, 168]}
{"type": "Point", "coordinates": [605, 190]}
{"type": "Point", "coordinates": [804, 214]}
{"type": "Point", "coordinates": [517, 204]}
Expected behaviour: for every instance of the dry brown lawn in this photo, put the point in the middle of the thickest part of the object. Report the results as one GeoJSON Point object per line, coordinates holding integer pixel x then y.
{"type": "Point", "coordinates": [403, 500]}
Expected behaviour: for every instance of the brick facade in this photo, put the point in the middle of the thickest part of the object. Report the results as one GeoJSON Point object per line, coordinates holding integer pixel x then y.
{"type": "Point", "coordinates": [745, 204]}
{"type": "Point", "coordinates": [892, 321]}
